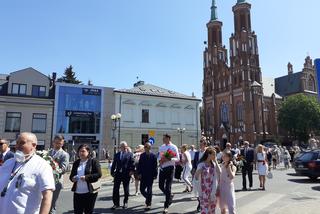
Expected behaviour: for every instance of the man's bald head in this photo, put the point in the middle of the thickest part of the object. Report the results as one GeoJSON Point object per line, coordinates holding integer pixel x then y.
{"type": "Point", "coordinates": [27, 142]}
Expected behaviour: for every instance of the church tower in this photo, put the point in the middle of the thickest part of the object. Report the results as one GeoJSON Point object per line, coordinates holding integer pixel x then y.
{"type": "Point", "coordinates": [247, 78]}
{"type": "Point", "coordinates": [233, 94]}
{"type": "Point", "coordinates": [216, 73]}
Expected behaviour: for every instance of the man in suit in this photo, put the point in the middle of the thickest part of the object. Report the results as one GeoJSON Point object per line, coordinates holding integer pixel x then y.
{"type": "Point", "coordinates": [122, 168]}
{"type": "Point", "coordinates": [62, 158]}
{"type": "Point", "coordinates": [247, 168]}
{"type": "Point", "coordinates": [147, 171]}
{"type": "Point", "coordinates": [5, 152]}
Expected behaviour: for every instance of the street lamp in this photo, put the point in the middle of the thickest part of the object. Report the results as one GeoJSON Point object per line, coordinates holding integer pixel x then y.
{"type": "Point", "coordinates": [181, 130]}
{"type": "Point", "coordinates": [115, 118]}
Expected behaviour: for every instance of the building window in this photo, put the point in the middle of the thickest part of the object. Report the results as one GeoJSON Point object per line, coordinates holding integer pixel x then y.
{"type": "Point", "coordinates": [20, 89]}
{"type": "Point", "coordinates": [145, 115]}
{"type": "Point", "coordinates": [38, 91]}
{"type": "Point", "coordinates": [224, 114]}
{"type": "Point", "coordinates": [144, 138]}
{"type": "Point", "coordinates": [310, 84]}
{"type": "Point", "coordinates": [39, 122]}
{"type": "Point", "coordinates": [239, 112]}
{"type": "Point", "coordinates": [13, 121]}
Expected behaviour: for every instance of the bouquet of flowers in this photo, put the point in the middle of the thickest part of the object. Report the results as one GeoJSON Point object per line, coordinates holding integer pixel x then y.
{"type": "Point", "coordinates": [54, 164]}
{"type": "Point", "coordinates": [241, 160]}
{"type": "Point", "coordinates": [169, 154]}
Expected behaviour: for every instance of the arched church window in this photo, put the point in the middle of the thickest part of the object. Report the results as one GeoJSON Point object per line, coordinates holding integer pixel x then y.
{"type": "Point", "coordinates": [239, 111]}
{"type": "Point", "coordinates": [310, 84]}
{"type": "Point", "coordinates": [224, 112]}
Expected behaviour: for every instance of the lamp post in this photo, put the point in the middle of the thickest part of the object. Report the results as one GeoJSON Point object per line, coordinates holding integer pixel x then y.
{"type": "Point", "coordinates": [115, 118]}
{"type": "Point", "coordinates": [181, 130]}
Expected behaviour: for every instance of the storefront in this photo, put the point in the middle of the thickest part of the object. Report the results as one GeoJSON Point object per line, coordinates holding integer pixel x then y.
{"type": "Point", "coordinates": [77, 115]}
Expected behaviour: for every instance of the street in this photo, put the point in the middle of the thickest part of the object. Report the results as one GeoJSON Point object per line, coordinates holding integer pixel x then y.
{"type": "Point", "coordinates": [285, 193]}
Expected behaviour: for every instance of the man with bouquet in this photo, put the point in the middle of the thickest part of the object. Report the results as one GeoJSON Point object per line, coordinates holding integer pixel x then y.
{"type": "Point", "coordinates": [62, 159]}
{"type": "Point", "coordinates": [168, 155]}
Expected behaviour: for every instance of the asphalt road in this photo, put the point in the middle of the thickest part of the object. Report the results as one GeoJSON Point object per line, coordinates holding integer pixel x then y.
{"type": "Point", "coordinates": [285, 193]}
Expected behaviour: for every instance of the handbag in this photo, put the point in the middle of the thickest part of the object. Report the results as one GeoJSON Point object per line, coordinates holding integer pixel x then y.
{"type": "Point", "coordinates": [270, 175]}
{"type": "Point", "coordinates": [96, 186]}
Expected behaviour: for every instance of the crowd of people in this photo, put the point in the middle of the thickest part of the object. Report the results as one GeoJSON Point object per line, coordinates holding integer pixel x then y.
{"type": "Point", "coordinates": [27, 184]}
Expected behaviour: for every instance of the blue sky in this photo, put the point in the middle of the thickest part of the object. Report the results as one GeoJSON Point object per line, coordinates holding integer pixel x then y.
{"type": "Point", "coordinates": [111, 42]}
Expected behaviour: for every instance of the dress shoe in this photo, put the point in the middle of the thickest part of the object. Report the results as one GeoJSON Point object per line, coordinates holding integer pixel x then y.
{"type": "Point", "coordinates": [244, 189]}
{"type": "Point", "coordinates": [114, 207]}
{"type": "Point", "coordinates": [125, 206]}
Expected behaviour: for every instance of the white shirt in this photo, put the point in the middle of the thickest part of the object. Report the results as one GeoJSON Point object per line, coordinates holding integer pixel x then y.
{"type": "Point", "coordinates": [82, 186]}
{"type": "Point", "coordinates": [163, 149]}
{"type": "Point", "coordinates": [192, 152]}
{"type": "Point", "coordinates": [188, 157]}
{"type": "Point", "coordinates": [4, 154]}
{"type": "Point", "coordinates": [35, 177]}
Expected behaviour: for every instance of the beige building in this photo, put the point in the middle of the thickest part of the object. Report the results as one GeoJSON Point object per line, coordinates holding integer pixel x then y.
{"type": "Point", "coordinates": [26, 106]}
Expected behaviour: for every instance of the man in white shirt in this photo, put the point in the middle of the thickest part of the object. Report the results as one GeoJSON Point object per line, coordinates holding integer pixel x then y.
{"type": "Point", "coordinates": [26, 181]}
{"type": "Point", "coordinates": [167, 169]}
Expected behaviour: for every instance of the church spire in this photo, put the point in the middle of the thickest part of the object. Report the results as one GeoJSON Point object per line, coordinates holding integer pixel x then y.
{"type": "Point", "coordinates": [214, 11]}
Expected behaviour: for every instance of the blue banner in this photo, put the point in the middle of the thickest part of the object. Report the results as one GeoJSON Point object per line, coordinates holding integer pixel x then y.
{"type": "Point", "coordinates": [317, 65]}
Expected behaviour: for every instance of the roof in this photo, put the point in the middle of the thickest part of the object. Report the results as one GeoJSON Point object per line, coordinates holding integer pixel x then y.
{"type": "Point", "coordinates": [152, 90]}
{"type": "Point", "coordinates": [289, 84]}
{"type": "Point", "coordinates": [29, 69]}
{"type": "Point", "coordinates": [269, 87]}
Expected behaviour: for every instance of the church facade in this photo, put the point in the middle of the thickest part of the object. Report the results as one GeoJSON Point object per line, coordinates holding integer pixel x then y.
{"type": "Point", "coordinates": [238, 105]}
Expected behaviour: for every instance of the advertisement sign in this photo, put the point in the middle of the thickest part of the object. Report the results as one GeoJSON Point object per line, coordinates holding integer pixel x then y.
{"type": "Point", "coordinates": [91, 91]}
{"type": "Point", "coordinates": [79, 113]}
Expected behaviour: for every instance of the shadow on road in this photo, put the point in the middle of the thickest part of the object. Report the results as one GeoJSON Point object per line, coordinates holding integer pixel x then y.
{"type": "Point", "coordinates": [316, 188]}
{"type": "Point", "coordinates": [304, 181]}
{"type": "Point", "coordinates": [294, 174]}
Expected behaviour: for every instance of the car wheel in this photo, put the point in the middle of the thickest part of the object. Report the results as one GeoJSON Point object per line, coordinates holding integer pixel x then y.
{"type": "Point", "coordinates": [313, 178]}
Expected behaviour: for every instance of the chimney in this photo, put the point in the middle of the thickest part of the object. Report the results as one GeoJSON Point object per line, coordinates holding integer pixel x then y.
{"type": "Point", "coordinates": [290, 68]}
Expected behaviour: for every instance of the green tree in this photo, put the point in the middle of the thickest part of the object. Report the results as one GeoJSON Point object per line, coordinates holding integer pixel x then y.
{"type": "Point", "coordinates": [300, 115]}
{"type": "Point", "coordinates": [69, 76]}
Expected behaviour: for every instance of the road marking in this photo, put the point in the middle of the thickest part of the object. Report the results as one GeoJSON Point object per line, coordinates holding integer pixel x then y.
{"type": "Point", "coordinates": [259, 204]}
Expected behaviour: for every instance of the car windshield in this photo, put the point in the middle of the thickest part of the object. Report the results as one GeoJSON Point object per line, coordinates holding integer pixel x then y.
{"type": "Point", "coordinates": [307, 156]}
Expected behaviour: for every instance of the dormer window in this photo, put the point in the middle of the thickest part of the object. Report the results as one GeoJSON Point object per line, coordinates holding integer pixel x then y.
{"type": "Point", "coordinates": [19, 89]}
{"type": "Point", "coordinates": [38, 91]}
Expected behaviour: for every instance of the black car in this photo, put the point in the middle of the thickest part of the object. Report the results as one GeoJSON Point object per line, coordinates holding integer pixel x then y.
{"type": "Point", "coordinates": [308, 164]}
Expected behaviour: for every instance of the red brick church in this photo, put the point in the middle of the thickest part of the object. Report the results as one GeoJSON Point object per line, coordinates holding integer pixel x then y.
{"type": "Point", "coordinates": [237, 103]}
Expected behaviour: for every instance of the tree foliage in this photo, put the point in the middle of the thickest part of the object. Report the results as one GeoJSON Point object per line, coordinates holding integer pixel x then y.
{"type": "Point", "coordinates": [69, 76]}
{"type": "Point", "coordinates": [300, 115]}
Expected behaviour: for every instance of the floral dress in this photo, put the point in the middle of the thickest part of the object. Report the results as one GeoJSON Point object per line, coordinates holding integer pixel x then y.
{"type": "Point", "coordinates": [208, 187]}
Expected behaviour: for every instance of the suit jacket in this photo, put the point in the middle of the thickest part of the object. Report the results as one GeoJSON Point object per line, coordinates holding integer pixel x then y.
{"type": "Point", "coordinates": [122, 166]}
{"type": "Point", "coordinates": [7, 156]}
{"type": "Point", "coordinates": [196, 160]}
{"type": "Point", "coordinates": [92, 173]}
{"type": "Point", "coordinates": [62, 158]}
{"type": "Point", "coordinates": [148, 166]}
{"type": "Point", "coordinates": [250, 155]}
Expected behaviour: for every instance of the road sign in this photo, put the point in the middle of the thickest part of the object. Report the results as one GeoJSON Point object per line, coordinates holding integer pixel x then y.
{"type": "Point", "coordinates": [151, 140]}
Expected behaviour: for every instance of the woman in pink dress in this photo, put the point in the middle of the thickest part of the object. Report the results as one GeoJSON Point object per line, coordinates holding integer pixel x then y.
{"type": "Point", "coordinates": [207, 175]}
{"type": "Point", "coordinates": [227, 199]}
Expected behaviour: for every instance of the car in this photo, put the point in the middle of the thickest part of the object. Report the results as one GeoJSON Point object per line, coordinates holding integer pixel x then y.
{"type": "Point", "coordinates": [308, 164]}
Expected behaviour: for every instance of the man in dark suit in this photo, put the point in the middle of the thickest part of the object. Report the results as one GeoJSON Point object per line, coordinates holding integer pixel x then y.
{"type": "Point", "coordinates": [247, 168]}
{"type": "Point", "coordinates": [122, 168]}
{"type": "Point", "coordinates": [62, 158]}
{"type": "Point", "coordinates": [148, 171]}
{"type": "Point", "coordinates": [5, 152]}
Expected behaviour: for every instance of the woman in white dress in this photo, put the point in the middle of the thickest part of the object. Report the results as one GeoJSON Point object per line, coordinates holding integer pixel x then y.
{"type": "Point", "coordinates": [187, 166]}
{"type": "Point", "coordinates": [262, 166]}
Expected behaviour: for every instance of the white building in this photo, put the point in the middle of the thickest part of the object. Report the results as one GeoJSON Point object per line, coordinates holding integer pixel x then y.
{"type": "Point", "coordinates": [150, 111]}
